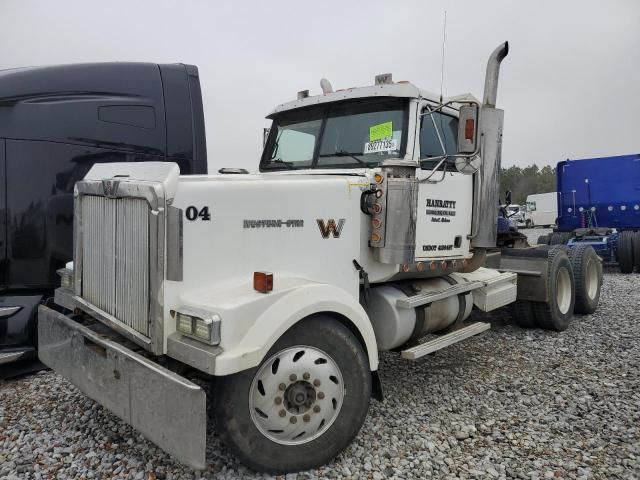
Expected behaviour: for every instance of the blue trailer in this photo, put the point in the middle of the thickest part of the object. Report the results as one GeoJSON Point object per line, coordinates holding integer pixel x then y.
{"type": "Point", "coordinates": [599, 204]}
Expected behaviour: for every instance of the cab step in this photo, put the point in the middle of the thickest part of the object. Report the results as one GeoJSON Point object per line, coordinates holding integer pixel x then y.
{"type": "Point", "coordinates": [443, 341]}
{"type": "Point", "coordinates": [430, 297]}
{"type": "Point", "coordinates": [17, 354]}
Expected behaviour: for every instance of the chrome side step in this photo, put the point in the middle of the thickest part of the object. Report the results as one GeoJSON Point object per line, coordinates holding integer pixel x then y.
{"type": "Point", "coordinates": [15, 355]}
{"type": "Point", "coordinates": [444, 340]}
{"type": "Point", "coordinates": [430, 297]}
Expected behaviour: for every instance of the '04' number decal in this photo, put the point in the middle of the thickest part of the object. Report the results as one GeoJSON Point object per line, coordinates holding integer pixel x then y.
{"type": "Point", "coordinates": [193, 213]}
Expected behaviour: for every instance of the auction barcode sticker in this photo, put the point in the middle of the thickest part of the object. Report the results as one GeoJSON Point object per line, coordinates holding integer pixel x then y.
{"type": "Point", "coordinates": [380, 146]}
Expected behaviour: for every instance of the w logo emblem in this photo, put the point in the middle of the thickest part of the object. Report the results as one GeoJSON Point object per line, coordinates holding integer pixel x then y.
{"type": "Point", "coordinates": [330, 228]}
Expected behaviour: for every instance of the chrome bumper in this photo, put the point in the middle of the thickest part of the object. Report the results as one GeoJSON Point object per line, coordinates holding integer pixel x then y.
{"type": "Point", "coordinates": [166, 408]}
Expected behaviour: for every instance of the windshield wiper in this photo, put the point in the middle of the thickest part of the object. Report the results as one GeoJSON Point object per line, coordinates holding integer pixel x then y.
{"type": "Point", "coordinates": [279, 164]}
{"type": "Point", "coordinates": [342, 153]}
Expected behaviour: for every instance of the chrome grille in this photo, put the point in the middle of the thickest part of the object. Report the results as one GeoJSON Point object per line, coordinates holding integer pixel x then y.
{"type": "Point", "coordinates": [115, 258]}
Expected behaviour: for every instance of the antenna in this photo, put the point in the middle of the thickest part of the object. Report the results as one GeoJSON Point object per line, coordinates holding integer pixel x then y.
{"type": "Point", "coordinates": [444, 41]}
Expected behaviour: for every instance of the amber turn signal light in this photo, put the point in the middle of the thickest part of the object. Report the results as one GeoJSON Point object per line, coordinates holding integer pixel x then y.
{"type": "Point", "coordinates": [263, 281]}
{"type": "Point", "coordinates": [469, 129]}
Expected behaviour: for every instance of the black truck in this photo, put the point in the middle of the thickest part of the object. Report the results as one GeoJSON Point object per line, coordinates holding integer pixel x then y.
{"type": "Point", "coordinates": [55, 123]}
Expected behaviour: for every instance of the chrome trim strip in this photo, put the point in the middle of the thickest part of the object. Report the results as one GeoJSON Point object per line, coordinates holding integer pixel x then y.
{"type": "Point", "coordinates": [174, 244]}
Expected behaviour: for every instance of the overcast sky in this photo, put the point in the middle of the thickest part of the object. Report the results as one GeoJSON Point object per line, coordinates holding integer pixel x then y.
{"type": "Point", "coordinates": [569, 86]}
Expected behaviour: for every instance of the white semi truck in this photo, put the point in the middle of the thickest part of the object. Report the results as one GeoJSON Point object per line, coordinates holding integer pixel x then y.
{"type": "Point", "coordinates": [265, 298]}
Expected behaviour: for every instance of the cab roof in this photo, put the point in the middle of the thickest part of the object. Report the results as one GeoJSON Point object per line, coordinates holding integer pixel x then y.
{"type": "Point", "coordinates": [399, 89]}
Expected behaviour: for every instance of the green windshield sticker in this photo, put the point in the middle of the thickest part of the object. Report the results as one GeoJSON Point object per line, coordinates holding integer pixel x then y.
{"type": "Point", "coordinates": [381, 131]}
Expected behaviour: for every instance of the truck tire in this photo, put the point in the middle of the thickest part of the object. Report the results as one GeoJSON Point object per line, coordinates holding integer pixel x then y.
{"type": "Point", "coordinates": [636, 250]}
{"type": "Point", "coordinates": [543, 239]}
{"type": "Point", "coordinates": [302, 405]}
{"type": "Point", "coordinates": [625, 251]}
{"type": "Point", "coordinates": [556, 239]}
{"type": "Point", "coordinates": [523, 314]}
{"type": "Point", "coordinates": [587, 272]}
{"type": "Point", "coordinates": [556, 313]}
{"type": "Point", "coordinates": [566, 236]}
{"type": "Point", "coordinates": [528, 223]}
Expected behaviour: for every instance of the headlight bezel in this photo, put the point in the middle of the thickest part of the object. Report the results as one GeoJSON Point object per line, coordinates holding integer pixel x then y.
{"type": "Point", "coordinates": [190, 320]}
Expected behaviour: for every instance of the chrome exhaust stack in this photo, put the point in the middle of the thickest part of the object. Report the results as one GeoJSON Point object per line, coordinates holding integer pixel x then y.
{"type": "Point", "coordinates": [493, 71]}
{"type": "Point", "coordinates": [487, 180]}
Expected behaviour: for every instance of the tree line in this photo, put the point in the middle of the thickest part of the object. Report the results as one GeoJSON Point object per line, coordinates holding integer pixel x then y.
{"type": "Point", "coordinates": [526, 181]}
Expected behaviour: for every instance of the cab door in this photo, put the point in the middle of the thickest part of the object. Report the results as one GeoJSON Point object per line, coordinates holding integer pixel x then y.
{"type": "Point", "coordinates": [445, 196]}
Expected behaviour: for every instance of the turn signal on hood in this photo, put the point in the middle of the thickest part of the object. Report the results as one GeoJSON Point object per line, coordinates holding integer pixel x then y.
{"type": "Point", "coordinates": [263, 281]}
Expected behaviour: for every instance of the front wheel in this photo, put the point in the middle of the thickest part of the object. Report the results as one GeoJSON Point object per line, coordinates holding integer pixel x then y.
{"type": "Point", "coordinates": [302, 406]}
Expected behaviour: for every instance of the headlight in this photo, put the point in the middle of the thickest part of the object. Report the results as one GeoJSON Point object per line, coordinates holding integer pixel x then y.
{"type": "Point", "coordinates": [198, 324]}
{"type": "Point", "coordinates": [66, 277]}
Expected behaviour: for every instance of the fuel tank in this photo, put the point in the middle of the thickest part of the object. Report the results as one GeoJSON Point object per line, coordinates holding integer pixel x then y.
{"type": "Point", "coordinates": [396, 326]}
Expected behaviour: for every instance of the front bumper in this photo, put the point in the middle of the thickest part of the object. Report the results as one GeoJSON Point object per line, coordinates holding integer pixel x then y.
{"type": "Point", "coordinates": [167, 408]}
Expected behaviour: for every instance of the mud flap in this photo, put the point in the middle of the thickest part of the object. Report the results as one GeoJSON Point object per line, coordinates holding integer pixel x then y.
{"type": "Point", "coordinates": [166, 408]}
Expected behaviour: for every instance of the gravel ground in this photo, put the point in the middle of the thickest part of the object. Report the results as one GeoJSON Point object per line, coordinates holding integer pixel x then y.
{"type": "Point", "coordinates": [510, 403]}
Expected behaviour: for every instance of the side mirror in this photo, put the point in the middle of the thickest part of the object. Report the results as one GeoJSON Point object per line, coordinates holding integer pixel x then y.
{"type": "Point", "coordinates": [468, 129]}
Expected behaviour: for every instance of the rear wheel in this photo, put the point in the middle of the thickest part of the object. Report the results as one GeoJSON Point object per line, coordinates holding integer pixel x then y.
{"type": "Point", "coordinates": [625, 251]}
{"type": "Point", "coordinates": [302, 406]}
{"type": "Point", "coordinates": [543, 239]}
{"type": "Point", "coordinates": [636, 250]}
{"type": "Point", "coordinates": [566, 236]}
{"type": "Point", "coordinates": [556, 239]}
{"type": "Point", "coordinates": [556, 313]}
{"type": "Point", "coordinates": [587, 272]}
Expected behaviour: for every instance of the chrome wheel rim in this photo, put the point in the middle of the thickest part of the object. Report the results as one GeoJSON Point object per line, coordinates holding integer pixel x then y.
{"type": "Point", "coordinates": [592, 279]}
{"type": "Point", "coordinates": [563, 290]}
{"type": "Point", "coordinates": [296, 395]}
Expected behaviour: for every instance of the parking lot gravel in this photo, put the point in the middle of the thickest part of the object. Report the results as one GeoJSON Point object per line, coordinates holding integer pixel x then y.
{"type": "Point", "coordinates": [510, 403]}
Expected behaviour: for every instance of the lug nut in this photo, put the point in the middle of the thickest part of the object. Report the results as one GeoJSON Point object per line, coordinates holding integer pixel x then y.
{"type": "Point", "coordinates": [282, 387]}
{"type": "Point", "coordinates": [293, 420]}
{"type": "Point", "coordinates": [282, 412]}
{"type": "Point", "coordinates": [278, 400]}
{"type": "Point", "coordinates": [306, 375]}
{"type": "Point", "coordinates": [316, 408]}
{"type": "Point", "coordinates": [293, 377]}
{"type": "Point", "coordinates": [321, 395]}
{"type": "Point", "coordinates": [306, 418]}
{"type": "Point", "coordinates": [316, 382]}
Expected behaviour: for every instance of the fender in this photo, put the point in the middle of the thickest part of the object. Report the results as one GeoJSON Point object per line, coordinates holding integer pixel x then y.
{"type": "Point", "coordinates": [294, 305]}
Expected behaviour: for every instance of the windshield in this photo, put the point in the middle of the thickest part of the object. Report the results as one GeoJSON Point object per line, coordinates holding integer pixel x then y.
{"type": "Point", "coordinates": [348, 134]}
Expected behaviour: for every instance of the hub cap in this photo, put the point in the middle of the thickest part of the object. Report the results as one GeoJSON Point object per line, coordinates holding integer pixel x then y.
{"type": "Point", "coordinates": [296, 395]}
{"type": "Point", "coordinates": [563, 290]}
{"type": "Point", "coordinates": [592, 279]}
